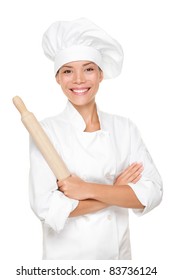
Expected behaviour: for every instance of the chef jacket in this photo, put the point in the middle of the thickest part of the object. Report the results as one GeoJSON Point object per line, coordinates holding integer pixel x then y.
{"type": "Point", "coordinates": [98, 157]}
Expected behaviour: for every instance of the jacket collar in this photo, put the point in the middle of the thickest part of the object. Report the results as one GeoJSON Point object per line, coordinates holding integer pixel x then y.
{"type": "Point", "coordinates": [76, 119]}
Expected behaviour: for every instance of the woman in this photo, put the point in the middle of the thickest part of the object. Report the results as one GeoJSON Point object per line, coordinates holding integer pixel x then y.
{"type": "Point", "coordinates": [86, 215]}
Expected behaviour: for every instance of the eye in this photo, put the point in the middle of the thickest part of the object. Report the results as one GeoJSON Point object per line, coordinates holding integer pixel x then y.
{"type": "Point", "coordinates": [89, 69]}
{"type": "Point", "coordinates": [67, 71]}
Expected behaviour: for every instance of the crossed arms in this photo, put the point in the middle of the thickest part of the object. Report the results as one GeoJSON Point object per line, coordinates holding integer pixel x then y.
{"type": "Point", "coordinates": [94, 197]}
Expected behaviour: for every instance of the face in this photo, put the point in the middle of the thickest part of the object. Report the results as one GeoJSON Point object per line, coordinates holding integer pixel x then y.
{"type": "Point", "coordinates": [80, 81]}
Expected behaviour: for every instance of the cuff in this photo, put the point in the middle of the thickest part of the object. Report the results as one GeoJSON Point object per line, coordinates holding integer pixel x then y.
{"type": "Point", "coordinates": [148, 193]}
{"type": "Point", "coordinates": [59, 210]}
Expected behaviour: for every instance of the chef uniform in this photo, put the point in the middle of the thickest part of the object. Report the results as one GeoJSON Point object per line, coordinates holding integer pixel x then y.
{"type": "Point", "coordinates": [97, 157]}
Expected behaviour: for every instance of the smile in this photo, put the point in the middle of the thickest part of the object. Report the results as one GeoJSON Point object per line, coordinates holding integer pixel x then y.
{"type": "Point", "coordinates": [81, 91]}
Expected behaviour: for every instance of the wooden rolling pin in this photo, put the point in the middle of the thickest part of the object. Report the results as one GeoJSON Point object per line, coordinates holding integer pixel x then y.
{"type": "Point", "coordinates": [42, 141]}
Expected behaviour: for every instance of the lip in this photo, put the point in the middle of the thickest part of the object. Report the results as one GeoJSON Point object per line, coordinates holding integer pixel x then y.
{"type": "Point", "coordinates": [80, 91]}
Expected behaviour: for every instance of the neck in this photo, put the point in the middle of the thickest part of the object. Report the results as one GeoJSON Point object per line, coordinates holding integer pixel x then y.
{"type": "Point", "coordinates": [90, 116]}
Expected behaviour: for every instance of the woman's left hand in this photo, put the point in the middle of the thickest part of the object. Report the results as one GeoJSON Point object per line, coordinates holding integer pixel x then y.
{"type": "Point", "coordinates": [74, 187]}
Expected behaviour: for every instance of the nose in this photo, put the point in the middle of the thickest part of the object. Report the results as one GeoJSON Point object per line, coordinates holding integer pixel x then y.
{"type": "Point", "coordinates": [79, 77]}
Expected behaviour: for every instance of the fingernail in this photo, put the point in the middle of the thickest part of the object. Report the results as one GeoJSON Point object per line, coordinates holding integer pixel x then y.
{"type": "Point", "coordinates": [141, 169]}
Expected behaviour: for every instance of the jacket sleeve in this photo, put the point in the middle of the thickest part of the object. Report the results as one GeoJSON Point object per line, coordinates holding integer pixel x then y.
{"type": "Point", "coordinates": [50, 205]}
{"type": "Point", "coordinates": [149, 188]}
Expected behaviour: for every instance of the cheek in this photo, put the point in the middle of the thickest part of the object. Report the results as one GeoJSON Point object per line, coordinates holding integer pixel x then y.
{"type": "Point", "coordinates": [65, 87]}
{"type": "Point", "coordinates": [62, 82]}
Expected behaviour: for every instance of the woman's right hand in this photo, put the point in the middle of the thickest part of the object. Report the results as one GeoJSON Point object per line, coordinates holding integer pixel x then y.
{"type": "Point", "coordinates": [131, 174]}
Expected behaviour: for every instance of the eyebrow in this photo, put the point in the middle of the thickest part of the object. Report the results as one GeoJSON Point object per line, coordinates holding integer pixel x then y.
{"type": "Point", "coordinates": [86, 64]}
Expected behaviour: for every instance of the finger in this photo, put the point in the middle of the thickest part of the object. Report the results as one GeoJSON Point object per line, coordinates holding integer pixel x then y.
{"type": "Point", "coordinates": [60, 184]}
{"type": "Point", "coordinates": [132, 168]}
{"type": "Point", "coordinates": [138, 168]}
{"type": "Point", "coordinates": [134, 175]}
{"type": "Point", "coordinates": [136, 179]}
{"type": "Point", "coordinates": [61, 189]}
{"type": "Point", "coordinates": [135, 167]}
{"type": "Point", "coordinates": [129, 171]}
{"type": "Point", "coordinates": [129, 168]}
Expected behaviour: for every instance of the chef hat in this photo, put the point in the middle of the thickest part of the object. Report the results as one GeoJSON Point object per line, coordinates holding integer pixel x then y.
{"type": "Point", "coordinates": [81, 39]}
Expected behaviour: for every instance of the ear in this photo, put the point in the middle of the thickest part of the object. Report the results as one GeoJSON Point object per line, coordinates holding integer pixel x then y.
{"type": "Point", "coordinates": [57, 78]}
{"type": "Point", "coordinates": [101, 76]}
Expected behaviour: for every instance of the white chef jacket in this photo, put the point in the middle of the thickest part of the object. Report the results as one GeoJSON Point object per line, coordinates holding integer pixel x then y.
{"type": "Point", "coordinates": [98, 157]}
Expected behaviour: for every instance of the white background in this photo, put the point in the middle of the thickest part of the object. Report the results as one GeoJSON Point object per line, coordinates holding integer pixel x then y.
{"type": "Point", "coordinates": [143, 93]}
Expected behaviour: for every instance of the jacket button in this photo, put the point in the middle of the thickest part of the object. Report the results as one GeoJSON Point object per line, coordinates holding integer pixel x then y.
{"type": "Point", "coordinates": [108, 176]}
{"type": "Point", "coordinates": [102, 135]}
{"type": "Point", "coordinates": [84, 178]}
{"type": "Point", "coordinates": [109, 217]}
{"type": "Point", "coordinates": [87, 219]}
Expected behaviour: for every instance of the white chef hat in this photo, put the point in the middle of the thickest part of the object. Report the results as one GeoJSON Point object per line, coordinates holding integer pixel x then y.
{"type": "Point", "coordinates": [81, 39]}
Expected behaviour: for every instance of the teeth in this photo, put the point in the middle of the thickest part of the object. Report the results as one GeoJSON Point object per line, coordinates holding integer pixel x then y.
{"type": "Point", "coordinates": [80, 90]}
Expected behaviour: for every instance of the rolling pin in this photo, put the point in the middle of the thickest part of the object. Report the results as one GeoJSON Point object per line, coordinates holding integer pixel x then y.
{"type": "Point", "coordinates": [42, 141]}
